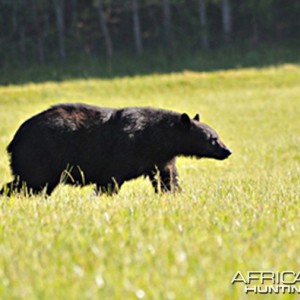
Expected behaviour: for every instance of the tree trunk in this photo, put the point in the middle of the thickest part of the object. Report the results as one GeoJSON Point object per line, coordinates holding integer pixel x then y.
{"type": "Point", "coordinates": [226, 20]}
{"type": "Point", "coordinates": [255, 36]}
{"type": "Point", "coordinates": [59, 11]}
{"type": "Point", "coordinates": [15, 22]}
{"type": "Point", "coordinates": [15, 32]}
{"type": "Point", "coordinates": [104, 28]}
{"type": "Point", "coordinates": [137, 27]}
{"type": "Point", "coordinates": [39, 37]}
{"type": "Point", "coordinates": [167, 22]}
{"type": "Point", "coordinates": [74, 15]}
{"type": "Point", "coordinates": [40, 48]}
{"type": "Point", "coordinates": [203, 24]}
{"type": "Point", "coordinates": [23, 44]}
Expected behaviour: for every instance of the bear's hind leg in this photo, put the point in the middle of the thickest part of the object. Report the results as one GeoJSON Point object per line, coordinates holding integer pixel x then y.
{"type": "Point", "coordinates": [109, 189]}
{"type": "Point", "coordinates": [18, 186]}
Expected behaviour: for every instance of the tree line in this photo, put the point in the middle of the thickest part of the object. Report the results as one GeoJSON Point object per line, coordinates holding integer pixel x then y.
{"type": "Point", "coordinates": [40, 31]}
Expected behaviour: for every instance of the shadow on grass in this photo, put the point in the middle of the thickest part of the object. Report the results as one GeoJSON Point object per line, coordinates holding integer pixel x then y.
{"type": "Point", "coordinates": [129, 65]}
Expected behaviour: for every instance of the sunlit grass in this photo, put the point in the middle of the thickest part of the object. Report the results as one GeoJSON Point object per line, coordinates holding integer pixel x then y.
{"type": "Point", "coordinates": [241, 214]}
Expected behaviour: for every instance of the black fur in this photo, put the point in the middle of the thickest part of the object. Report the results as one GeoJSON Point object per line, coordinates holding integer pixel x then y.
{"type": "Point", "coordinates": [83, 144]}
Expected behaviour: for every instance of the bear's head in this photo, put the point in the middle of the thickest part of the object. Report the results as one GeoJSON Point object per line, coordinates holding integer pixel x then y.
{"type": "Point", "coordinates": [200, 140]}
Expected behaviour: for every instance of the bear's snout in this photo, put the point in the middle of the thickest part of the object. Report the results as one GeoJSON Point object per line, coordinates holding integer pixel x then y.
{"type": "Point", "coordinates": [226, 153]}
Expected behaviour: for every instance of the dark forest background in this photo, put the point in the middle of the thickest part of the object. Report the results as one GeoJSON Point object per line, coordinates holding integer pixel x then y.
{"type": "Point", "coordinates": [41, 32]}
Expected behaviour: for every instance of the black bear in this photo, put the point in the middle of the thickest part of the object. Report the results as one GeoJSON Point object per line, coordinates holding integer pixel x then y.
{"type": "Point", "coordinates": [83, 144]}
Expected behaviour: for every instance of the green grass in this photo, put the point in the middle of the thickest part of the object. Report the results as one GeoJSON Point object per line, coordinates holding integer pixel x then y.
{"type": "Point", "coordinates": [241, 214]}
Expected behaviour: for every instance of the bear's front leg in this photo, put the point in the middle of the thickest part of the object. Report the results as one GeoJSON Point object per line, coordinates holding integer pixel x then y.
{"type": "Point", "coordinates": [164, 178]}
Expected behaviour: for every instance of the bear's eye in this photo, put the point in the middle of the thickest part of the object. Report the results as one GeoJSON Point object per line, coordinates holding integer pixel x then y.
{"type": "Point", "coordinates": [213, 141]}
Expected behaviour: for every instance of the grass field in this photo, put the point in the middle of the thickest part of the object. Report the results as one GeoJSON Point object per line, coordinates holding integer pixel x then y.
{"type": "Point", "coordinates": [241, 214]}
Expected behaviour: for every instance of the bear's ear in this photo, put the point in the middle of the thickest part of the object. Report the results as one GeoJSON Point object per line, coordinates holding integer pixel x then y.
{"type": "Point", "coordinates": [197, 118]}
{"type": "Point", "coordinates": [185, 120]}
